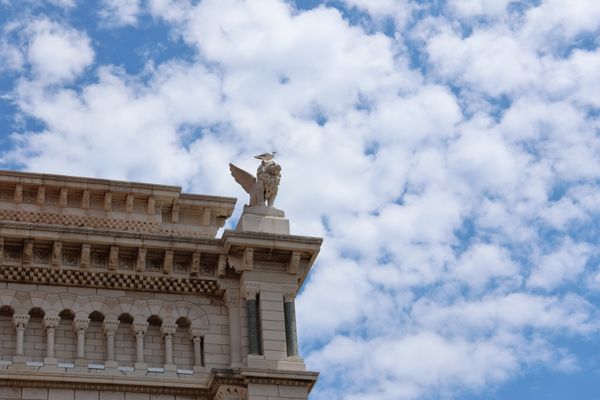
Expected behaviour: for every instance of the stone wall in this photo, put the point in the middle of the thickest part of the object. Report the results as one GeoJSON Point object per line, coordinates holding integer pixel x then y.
{"type": "Point", "coordinates": [16, 393]}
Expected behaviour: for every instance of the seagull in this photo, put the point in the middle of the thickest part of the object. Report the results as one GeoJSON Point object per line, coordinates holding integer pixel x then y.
{"type": "Point", "coordinates": [266, 156]}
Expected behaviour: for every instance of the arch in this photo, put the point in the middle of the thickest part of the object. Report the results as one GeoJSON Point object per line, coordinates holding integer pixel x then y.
{"type": "Point", "coordinates": [8, 339]}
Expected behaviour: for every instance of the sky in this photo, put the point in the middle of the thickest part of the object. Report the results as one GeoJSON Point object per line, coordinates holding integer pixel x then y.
{"type": "Point", "coordinates": [447, 151]}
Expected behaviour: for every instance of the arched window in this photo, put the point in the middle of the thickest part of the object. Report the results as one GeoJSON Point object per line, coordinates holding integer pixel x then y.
{"type": "Point", "coordinates": [9, 335]}
{"type": "Point", "coordinates": [183, 348]}
{"type": "Point", "coordinates": [125, 342]}
{"type": "Point", "coordinates": [65, 338]}
{"type": "Point", "coordinates": [95, 339]}
{"type": "Point", "coordinates": [35, 336]}
{"type": "Point", "coordinates": [154, 347]}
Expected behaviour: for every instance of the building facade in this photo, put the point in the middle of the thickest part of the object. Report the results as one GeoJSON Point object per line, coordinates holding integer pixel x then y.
{"type": "Point", "coordinates": [116, 290]}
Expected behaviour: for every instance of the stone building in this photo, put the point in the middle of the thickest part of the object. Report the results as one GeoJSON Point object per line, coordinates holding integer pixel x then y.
{"type": "Point", "coordinates": [116, 290]}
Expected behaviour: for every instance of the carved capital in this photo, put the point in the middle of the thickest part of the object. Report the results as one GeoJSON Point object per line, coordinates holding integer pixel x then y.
{"type": "Point", "coordinates": [289, 293]}
{"type": "Point", "coordinates": [197, 332]}
{"type": "Point", "coordinates": [20, 321]}
{"type": "Point", "coordinates": [56, 254]}
{"type": "Point", "coordinates": [139, 328]}
{"type": "Point", "coordinates": [232, 297]}
{"type": "Point", "coordinates": [294, 263]}
{"type": "Point", "coordinates": [250, 290]}
{"type": "Point", "coordinates": [168, 328]}
{"type": "Point", "coordinates": [80, 325]}
{"type": "Point", "coordinates": [110, 326]}
{"type": "Point", "coordinates": [51, 322]}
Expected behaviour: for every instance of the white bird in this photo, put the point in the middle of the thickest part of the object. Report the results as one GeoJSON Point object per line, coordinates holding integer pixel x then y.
{"type": "Point", "coordinates": [266, 156]}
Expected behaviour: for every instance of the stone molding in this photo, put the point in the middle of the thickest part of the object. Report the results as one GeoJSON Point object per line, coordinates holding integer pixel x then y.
{"type": "Point", "coordinates": [51, 321]}
{"type": "Point", "coordinates": [110, 326]}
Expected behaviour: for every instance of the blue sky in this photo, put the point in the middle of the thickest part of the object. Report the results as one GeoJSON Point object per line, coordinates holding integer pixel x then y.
{"type": "Point", "coordinates": [447, 151]}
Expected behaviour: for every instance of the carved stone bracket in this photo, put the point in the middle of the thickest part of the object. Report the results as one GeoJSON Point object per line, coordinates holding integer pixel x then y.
{"type": "Point", "coordinates": [85, 199]}
{"type": "Point", "coordinates": [62, 198]}
{"type": "Point", "coordinates": [294, 263]}
{"type": "Point", "coordinates": [86, 251]}
{"type": "Point", "coordinates": [221, 264]}
{"type": "Point", "coordinates": [56, 254]}
{"type": "Point", "coordinates": [41, 196]}
{"type": "Point", "coordinates": [129, 203]}
{"type": "Point", "coordinates": [195, 263]}
{"type": "Point", "coordinates": [168, 262]}
{"type": "Point", "coordinates": [113, 258]}
{"type": "Point", "coordinates": [28, 252]}
{"type": "Point", "coordinates": [140, 264]}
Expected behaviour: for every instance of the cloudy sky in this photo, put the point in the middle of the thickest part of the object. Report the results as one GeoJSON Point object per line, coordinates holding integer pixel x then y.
{"type": "Point", "coordinates": [447, 151]}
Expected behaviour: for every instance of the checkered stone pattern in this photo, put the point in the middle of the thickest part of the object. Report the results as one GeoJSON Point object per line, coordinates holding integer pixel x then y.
{"type": "Point", "coordinates": [77, 220]}
{"type": "Point", "coordinates": [107, 280]}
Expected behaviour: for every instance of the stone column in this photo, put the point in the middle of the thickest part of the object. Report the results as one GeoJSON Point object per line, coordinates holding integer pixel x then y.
{"type": "Point", "coordinates": [50, 324]}
{"type": "Point", "coordinates": [197, 335]}
{"type": "Point", "coordinates": [20, 322]}
{"type": "Point", "coordinates": [80, 325]}
{"type": "Point", "coordinates": [110, 329]}
{"type": "Point", "coordinates": [168, 329]}
{"type": "Point", "coordinates": [289, 314]}
{"type": "Point", "coordinates": [232, 300]}
{"type": "Point", "coordinates": [250, 293]}
{"type": "Point", "coordinates": [139, 330]}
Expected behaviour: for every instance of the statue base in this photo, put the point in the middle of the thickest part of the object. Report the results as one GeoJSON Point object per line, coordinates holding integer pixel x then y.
{"type": "Point", "coordinates": [263, 219]}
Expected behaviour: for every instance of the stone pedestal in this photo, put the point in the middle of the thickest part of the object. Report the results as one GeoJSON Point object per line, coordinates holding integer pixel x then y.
{"type": "Point", "coordinates": [263, 219]}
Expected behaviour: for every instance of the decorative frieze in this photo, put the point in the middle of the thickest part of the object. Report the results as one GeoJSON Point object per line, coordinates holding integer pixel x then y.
{"type": "Point", "coordinates": [103, 279]}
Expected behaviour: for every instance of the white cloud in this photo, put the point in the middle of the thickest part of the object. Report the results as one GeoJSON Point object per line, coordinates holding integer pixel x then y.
{"type": "Point", "coordinates": [56, 52]}
{"type": "Point", "coordinates": [483, 263]}
{"type": "Point", "coordinates": [121, 12]}
{"type": "Point", "coordinates": [561, 266]}
{"type": "Point", "coordinates": [434, 187]}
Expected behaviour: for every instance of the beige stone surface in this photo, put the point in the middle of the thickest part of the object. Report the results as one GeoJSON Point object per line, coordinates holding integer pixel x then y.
{"type": "Point", "coordinates": [121, 291]}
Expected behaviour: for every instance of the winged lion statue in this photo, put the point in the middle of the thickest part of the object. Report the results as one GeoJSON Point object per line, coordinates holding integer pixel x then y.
{"type": "Point", "coordinates": [262, 187]}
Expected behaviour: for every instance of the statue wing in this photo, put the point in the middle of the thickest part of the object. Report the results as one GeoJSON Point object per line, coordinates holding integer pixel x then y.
{"type": "Point", "coordinates": [245, 179]}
